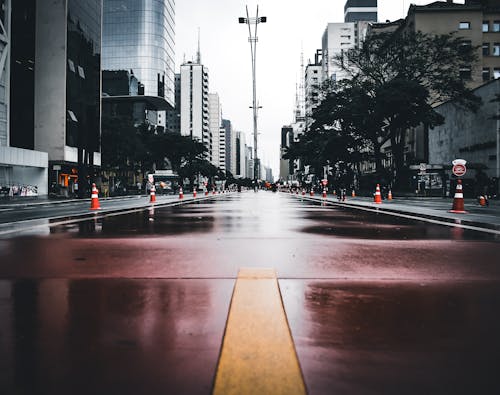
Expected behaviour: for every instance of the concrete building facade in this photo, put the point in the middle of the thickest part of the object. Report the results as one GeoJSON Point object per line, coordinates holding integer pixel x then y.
{"type": "Point", "coordinates": [215, 122]}
{"type": "Point", "coordinates": [476, 21]}
{"type": "Point", "coordinates": [468, 135]}
{"type": "Point", "coordinates": [241, 152]}
{"type": "Point", "coordinates": [195, 104]}
{"type": "Point", "coordinates": [23, 170]}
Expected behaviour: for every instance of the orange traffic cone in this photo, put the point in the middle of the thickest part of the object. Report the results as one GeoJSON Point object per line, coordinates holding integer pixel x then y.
{"type": "Point", "coordinates": [303, 192]}
{"type": "Point", "coordinates": [389, 195]}
{"type": "Point", "coordinates": [181, 194]}
{"type": "Point", "coordinates": [458, 200]}
{"type": "Point", "coordinates": [213, 191]}
{"type": "Point", "coordinates": [377, 198]}
{"type": "Point", "coordinates": [311, 193]}
{"type": "Point", "coordinates": [194, 193]}
{"type": "Point", "coordinates": [334, 192]}
{"type": "Point", "coordinates": [94, 198]}
{"type": "Point", "coordinates": [152, 194]}
{"type": "Point", "coordinates": [353, 194]}
{"type": "Point", "coordinates": [482, 201]}
{"type": "Point", "coordinates": [324, 193]}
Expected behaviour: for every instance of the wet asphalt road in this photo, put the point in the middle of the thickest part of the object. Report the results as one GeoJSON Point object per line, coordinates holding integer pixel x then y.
{"type": "Point", "coordinates": [137, 303]}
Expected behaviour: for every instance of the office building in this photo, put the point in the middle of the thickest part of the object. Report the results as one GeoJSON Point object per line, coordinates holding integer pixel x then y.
{"type": "Point", "coordinates": [241, 162]}
{"type": "Point", "coordinates": [230, 146]}
{"type": "Point", "coordinates": [360, 10]}
{"type": "Point", "coordinates": [173, 123]}
{"type": "Point", "coordinates": [68, 89]}
{"type": "Point", "coordinates": [23, 171]}
{"type": "Point", "coordinates": [140, 38]}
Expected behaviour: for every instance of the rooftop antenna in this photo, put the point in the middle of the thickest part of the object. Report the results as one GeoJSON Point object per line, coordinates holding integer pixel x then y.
{"type": "Point", "coordinates": [302, 87]}
{"type": "Point", "coordinates": [198, 54]}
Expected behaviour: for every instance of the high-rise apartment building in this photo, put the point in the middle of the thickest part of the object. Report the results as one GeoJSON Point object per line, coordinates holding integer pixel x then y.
{"type": "Point", "coordinates": [215, 122]}
{"type": "Point", "coordinates": [222, 149]}
{"type": "Point", "coordinates": [313, 79]}
{"type": "Point", "coordinates": [194, 103]}
{"type": "Point", "coordinates": [340, 37]}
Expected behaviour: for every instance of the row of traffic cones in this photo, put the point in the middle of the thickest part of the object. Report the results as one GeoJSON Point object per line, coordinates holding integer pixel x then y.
{"type": "Point", "coordinates": [94, 197]}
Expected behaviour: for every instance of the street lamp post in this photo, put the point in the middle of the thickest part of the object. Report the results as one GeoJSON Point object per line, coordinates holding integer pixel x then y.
{"type": "Point", "coordinates": [252, 39]}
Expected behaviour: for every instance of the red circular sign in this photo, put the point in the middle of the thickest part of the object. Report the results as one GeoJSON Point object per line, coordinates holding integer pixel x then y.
{"type": "Point", "coordinates": [324, 182]}
{"type": "Point", "coordinates": [459, 170]}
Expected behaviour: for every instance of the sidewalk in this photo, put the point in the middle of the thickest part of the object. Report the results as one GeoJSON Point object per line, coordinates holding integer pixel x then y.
{"type": "Point", "coordinates": [433, 208]}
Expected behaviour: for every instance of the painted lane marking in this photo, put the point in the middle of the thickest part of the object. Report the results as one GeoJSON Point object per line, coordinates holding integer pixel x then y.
{"type": "Point", "coordinates": [258, 354]}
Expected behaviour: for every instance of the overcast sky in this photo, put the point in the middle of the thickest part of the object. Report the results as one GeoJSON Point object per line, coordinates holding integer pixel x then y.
{"type": "Point", "coordinates": [292, 26]}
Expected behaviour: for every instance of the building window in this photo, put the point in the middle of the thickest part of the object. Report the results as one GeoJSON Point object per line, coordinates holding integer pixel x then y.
{"type": "Point", "coordinates": [71, 65]}
{"type": "Point", "coordinates": [496, 49]}
{"type": "Point", "coordinates": [72, 116]}
{"type": "Point", "coordinates": [486, 74]}
{"type": "Point", "coordinates": [81, 73]}
{"type": "Point", "coordinates": [486, 26]}
{"type": "Point", "coordinates": [465, 73]}
{"type": "Point", "coordinates": [496, 72]}
{"type": "Point", "coordinates": [486, 49]}
{"type": "Point", "coordinates": [465, 46]}
{"type": "Point", "coordinates": [496, 26]}
{"type": "Point", "coordinates": [464, 25]}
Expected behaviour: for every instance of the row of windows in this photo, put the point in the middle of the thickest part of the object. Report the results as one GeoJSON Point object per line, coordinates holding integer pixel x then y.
{"type": "Point", "coordinates": [487, 73]}
{"type": "Point", "coordinates": [487, 26]}
{"type": "Point", "coordinates": [493, 51]}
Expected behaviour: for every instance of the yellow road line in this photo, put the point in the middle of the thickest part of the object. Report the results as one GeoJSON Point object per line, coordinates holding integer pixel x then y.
{"type": "Point", "coordinates": [258, 355]}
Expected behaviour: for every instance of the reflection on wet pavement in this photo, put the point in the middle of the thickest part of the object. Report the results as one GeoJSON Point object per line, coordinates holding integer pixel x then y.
{"type": "Point", "coordinates": [111, 336]}
{"type": "Point", "coordinates": [396, 338]}
{"type": "Point", "coordinates": [351, 223]}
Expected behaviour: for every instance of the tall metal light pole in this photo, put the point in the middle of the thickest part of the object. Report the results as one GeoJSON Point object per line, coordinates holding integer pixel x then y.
{"type": "Point", "coordinates": [252, 39]}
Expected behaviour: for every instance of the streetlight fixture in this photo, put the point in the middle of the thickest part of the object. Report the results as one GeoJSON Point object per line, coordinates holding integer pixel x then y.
{"type": "Point", "coordinates": [252, 39]}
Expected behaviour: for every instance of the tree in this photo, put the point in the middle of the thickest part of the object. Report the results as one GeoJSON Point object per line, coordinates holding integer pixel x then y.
{"type": "Point", "coordinates": [395, 81]}
{"type": "Point", "coordinates": [407, 74]}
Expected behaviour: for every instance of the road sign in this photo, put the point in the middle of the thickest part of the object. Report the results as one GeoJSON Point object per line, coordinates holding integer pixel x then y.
{"type": "Point", "coordinates": [324, 182]}
{"type": "Point", "coordinates": [423, 167]}
{"type": "Point", "coordinates": [459, 170]}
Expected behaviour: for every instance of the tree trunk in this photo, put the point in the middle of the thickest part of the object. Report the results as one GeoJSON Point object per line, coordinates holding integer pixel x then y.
{"type": "Point", "coordinates": [398, 161]}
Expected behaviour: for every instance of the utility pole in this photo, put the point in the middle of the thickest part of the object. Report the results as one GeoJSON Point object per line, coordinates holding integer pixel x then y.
{"type": "Point", "coordinates": [252, 39]}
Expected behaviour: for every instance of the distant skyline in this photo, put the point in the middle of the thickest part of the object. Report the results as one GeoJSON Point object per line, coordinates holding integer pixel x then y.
{"type": "Point", "coordinates": [292, 27]}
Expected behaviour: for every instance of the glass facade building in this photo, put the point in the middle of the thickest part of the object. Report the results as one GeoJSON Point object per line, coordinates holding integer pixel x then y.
{"type": "Point", "coordinates": [138, 36]}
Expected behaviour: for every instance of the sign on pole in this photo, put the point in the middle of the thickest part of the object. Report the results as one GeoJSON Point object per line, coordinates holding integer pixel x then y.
{"type": "Point", "coordinates": [459, 168]}
{"type": "Point", "coordinates": [324, 182]}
